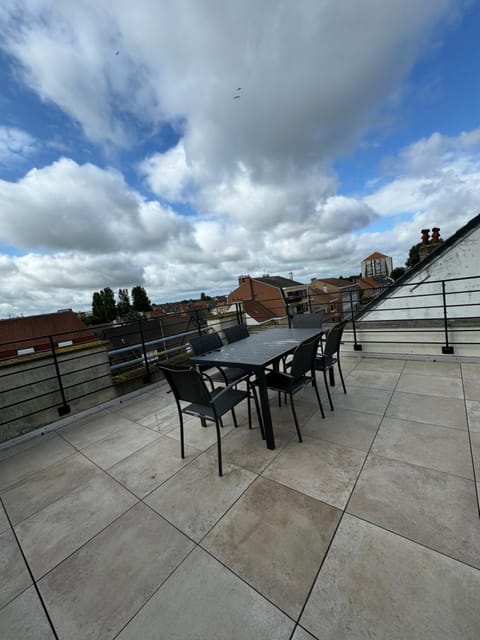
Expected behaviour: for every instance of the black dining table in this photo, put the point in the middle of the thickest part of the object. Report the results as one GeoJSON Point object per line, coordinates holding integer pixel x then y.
{"type": "Point", "coordinates": [255, 353]}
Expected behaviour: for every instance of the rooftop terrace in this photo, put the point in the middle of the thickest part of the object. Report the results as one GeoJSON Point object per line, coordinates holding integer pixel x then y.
{"type": "Point", "coordinates": [369, 528]}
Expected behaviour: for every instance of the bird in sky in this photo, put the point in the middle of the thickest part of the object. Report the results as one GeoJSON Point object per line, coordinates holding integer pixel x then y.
{"type": "Point", "coordinates": [236, 97]}
{"type": "Point", "coordinates": [239, 89]}
{"type": "Point", "coordinates": [117, 53]}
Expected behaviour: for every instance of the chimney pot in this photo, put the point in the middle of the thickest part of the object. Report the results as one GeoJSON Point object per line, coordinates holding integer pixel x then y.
{"type": "Point", "coordinates": [425, 236]}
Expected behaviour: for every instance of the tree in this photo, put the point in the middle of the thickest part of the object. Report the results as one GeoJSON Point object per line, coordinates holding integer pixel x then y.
{"type": "Point", "coordinates": [413, 256]}
{"type": "Point", "coordinates": [123, 305]}
{"type": "Point", "coordinates": [103, 306]}
{"type": "Point", "coordinates": [140, 300]}
{"type": "Point", "coordinates": [397, 272]}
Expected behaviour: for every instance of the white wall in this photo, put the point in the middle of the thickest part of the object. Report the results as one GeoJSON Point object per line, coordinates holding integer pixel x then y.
{"type": "Point", "coordinates": [459, 261]}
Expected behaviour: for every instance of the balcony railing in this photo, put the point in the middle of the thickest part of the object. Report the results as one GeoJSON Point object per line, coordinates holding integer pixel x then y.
{"type": "Point", "coordinates": [64, 374]}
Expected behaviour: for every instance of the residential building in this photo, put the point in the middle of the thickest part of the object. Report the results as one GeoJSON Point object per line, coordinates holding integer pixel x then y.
{"type": "Point", "coordinates": [377, 265]}
{"type": "Point", "coordinates": [269, 297]}
{"type": "Point", "coordinates": [449, 261]}
{"type": "Point", "coordinates": [336, 297]}
{"type": "Point", "coordinates": [31, 334]}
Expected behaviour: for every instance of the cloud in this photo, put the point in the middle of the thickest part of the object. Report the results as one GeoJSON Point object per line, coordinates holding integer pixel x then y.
{"type": "Point", "coordinates": [67, 206]}
{"type": "Point", "coordinates": [254, 173]}
{"type": "Point", "coordinates": [167, 174]}
{"type": "Point", "coordinates": [15, 145]}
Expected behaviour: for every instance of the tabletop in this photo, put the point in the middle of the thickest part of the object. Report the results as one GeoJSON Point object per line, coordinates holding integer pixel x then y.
{"type": "Point", "coordinates": [258, 349]}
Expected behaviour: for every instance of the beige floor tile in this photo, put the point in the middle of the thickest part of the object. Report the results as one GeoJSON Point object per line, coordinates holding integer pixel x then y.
{"type": "Point", "coordinates": [301, 634]}
{"type": "Point", "coordinates": [372, 378]}
{"type": "Point", "coordinates": [145, 404]}
{"type": "Point", "coordinates": [118, 446]}
{"type": "Point", "coordinates": [214, 604]}
{"type": "Point", "coordinates": [163, 420]}
{"type": "Point", "coordinates": [29, 460]}
{"type": "Point", "coordinates": [196, 497]}
{"type": "Point", "coordinates": [319, 469]}
{"type": "Point", "coordinates": [471, 381]}
{"type": "Point", "coordinates": [361, 399]}
{"type": "Point", "coordinates": [245, 448]}
{"type": "Point", "coordinates": [96, 591]}
{"type": "Point", "coordinates": [8, 449]}
{"type": "Point", "coordinates": [442, 369]}
{"type": "Point", "coordinates": [375, 584]}
{"type": "Point", "coordinates": [148, 468]}
{"type": "Point", "coordinates": [4, 524]}
{"type": "Point", "coordinates": [353, 429]}
{"type": "Point", "coordinates": [198, 437]}
{"type": "Point", "coordinates": [475, 440]}
{"type": "Point", "coordinates": [431, 385]}
{"type": "Point", "coordinates": [435, 509]}
{"type": "Point", "coordinates": [381, 364]}
{"type": "Point", "coordinates": [39, 489]}
{"type": "Point", "coordinates": [96, 428]}
{"type": "Point", "coordinates": [14, 577]}
{"type": "Point", "coordinates": [275, 539]}
{"type": "Point", "coordinates": [446, 412]}
{"type": "Point", "coordinates": [473, 415]}
{"type": "Point", "coordinates": [25, 619]}
{"type": "Point", "coordinates": [53, 533]}
{"type": "Point", "coordinates": [440, 448]}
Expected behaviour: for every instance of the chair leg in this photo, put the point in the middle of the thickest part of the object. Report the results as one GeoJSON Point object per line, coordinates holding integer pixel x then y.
{"type": "Point", "coordinates": [249, 404]}
{"type": "Point", "coordinates": [219, 449]}
{"type": "Point", "coordinates": [182, 440]}
{"type": "Point", "coordinates": [235, 423]}
{"type": "Point", "coordinates": [341, 374]}
{"type": "Point", "coordinates": [328, 389]}
{"type": "Point", "coordinates": [314, 382]}
{"type": "Point", "coordinates": [295, 419]}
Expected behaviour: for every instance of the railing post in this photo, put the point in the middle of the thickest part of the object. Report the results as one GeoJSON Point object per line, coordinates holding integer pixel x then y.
{"type": "Point", "coordinates": [65, 408]}
{"type": "Point", "coordinates": [356, 345]}
{"type": "Point", "coordinates": [287, 308]}
{"type": "Point", "coordinates": [148, 376]}
{"type": "Point", "coordinates": [446, 347]}
{"type": "Point", "coordinates": [197, 320]}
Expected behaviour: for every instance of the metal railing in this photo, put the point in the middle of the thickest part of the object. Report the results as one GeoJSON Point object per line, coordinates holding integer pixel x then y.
{"type": "Point", "coordinates": [109, 360]}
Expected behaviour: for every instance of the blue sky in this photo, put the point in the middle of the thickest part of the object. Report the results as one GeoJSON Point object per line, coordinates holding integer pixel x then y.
{"type": "Point", "coordinates": [125, 159]}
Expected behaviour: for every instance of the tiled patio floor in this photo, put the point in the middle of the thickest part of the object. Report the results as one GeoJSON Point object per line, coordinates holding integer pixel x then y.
{"type": "Point", "coordinates": [368, 529]}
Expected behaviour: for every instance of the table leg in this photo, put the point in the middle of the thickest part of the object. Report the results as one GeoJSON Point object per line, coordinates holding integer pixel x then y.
{"type": "Point", "coordinates": [331, 373]}
{"type": "Point", "coordinates": [265, 405]}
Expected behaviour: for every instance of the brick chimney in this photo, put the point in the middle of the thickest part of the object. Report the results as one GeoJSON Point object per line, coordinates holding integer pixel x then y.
{"type": "Point", "coordinates": [429, 244]}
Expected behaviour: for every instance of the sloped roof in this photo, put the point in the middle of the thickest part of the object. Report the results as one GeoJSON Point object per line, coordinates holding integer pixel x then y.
{"type": "Point", "coordinates": [279, 281]}
{"type": "Point", "coordinates": [434, 255]}
{"type": "Point", "coordinates": [258, 311]}
{"type": "Point", "coordinates": [336, 282]}
{"type": "Point", "coordinates": [375, 256]}
{"type": "Point", "coordinates": [33, 331]}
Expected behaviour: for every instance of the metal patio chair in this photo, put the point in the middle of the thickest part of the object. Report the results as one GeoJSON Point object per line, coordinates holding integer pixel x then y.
{"type": "Point", "coordinates": [189, 387]}
{"type": "Point", "coordinates": [235, 332]}
{"type": "Point", "coordinates": [330, 355]}
{"type": "Point", "coordinates": [225, 375]}
{"type": "Point", "coordinates": [301, 373]}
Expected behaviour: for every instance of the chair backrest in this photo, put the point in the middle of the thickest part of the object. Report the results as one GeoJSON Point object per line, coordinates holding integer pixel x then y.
{"type": "Point", "coordinates": [304, 357]}
{"type": "Point", "coordinates": [186, 383]}
{"type": "Point", "coordinates": [236, 332]}
{"type": "Point", "coordinates": [307, 320]}
{"type": "Point", "coordinates": [207, 342]}
{"type": "Point", "coordinates": [334, 338]}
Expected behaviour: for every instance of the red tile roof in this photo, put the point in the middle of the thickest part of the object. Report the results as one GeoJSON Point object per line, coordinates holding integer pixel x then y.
{"type": "Point", "coordinates": [34, 332]}
{"type": "Point", "coordinates": [375, 256]}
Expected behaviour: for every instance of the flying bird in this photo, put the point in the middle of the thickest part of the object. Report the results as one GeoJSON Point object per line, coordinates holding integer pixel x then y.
{"type": "Point", "coordinates": [239, 89]}
{"type": "Point", "coordinates": [117, 53]}
{"type": "Point", "coordinates": [235, 97]}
